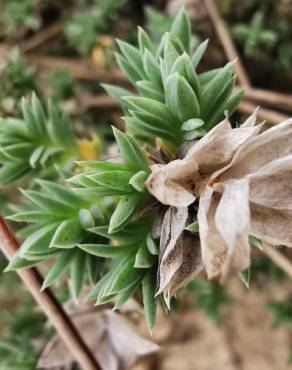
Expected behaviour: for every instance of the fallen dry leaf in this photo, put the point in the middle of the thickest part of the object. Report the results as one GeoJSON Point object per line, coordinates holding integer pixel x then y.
{"type": "Point", "coordinates": [114, 343]}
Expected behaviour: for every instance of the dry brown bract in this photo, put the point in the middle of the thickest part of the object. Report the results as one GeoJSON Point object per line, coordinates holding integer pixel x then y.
{"type": "Point", "coordinates": [243, 180]}
{"type": "Point", "coordinates": [113, 341]}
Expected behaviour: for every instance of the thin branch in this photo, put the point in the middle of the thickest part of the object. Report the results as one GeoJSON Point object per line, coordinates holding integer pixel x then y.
{"type": "Point", "coordinates": [47, 301]}
{"type": "Point", "coordinates": [226, 41]}
{"type": "Point", "coordinates": [41, 37]}
{"type": "Point", "coordinates": [79, 69]}
{"type": "Point", "coordinates": [264, 114]}
{"type": "Point", "coordinates": [278, 258]}
{"type": "Point", "coordinates": [270, 98]}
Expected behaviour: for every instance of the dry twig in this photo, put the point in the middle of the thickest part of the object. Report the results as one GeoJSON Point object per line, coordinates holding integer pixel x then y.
{"type": "Point", "coordinates": [47, 301]}
{"type": "Point", "coordinates": [226, 41]}
{"type": "Point", "coordinates": [41, 37]}
{"type": "Point", "coordinates": [264, 114]}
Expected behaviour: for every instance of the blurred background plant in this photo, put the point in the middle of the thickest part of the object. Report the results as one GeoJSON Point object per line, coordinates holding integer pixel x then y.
{"type": "Point", "coordinates": [263, 33]}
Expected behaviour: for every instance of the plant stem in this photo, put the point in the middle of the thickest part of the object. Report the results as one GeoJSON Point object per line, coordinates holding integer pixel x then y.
{"type": "Point", "coordinates": [47, 301]}
{"type": "Point", "coordinates": [226, 41]}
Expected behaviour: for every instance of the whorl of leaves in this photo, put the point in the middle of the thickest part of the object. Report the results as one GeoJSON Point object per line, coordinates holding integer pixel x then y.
{"type": "Point", "coordinates": [35, 142]}
{"type": "Point", "coordinates": [78, 227]}
{"type": "Point", "coordinates": [174, 103]}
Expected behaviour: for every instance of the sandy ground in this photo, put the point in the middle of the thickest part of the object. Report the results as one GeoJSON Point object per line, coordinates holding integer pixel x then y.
{"type": "Point", "coordinates": [245, 339]}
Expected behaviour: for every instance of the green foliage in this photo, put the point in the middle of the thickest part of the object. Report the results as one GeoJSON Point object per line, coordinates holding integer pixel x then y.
{"type": "Point", "coordinates": [125, 180]}
{"type": "Point", "coordinates": [210, 297]}
{"type": "Point", "coordinates": [19, 14]}
{"type": "Point", "coordinates": [157, 23]}
{"type": "Point", "coordinates": [38, 141]}
{"type": "Point", "coordinates": [84, 27]}
{"type": "Point", "coordinates": [282, 312]}
{"type": "Point", "coordinates": [254, 36]}
{"type": "Point", "coordinates": [21, 325]}
{"type": "Point", "coordinates": [174, 102]}
{"type": "Point", "coordinates": [59, 221]}
{"type": "Point", "coordinates": [17, 80]}
{"type": "Point", "coordinates": [62, 83]}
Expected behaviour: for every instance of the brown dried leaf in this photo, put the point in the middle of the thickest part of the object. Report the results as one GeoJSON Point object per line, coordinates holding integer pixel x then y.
{"type": "Point", "coordinates": [115, 345]}
{"type": "Point", "coordinates": [270, 225]}
{"type": "Point", "coordinates": [232, 220]}
{"type": "Point", "coordinates": [190, 268]}
{"type": "Point", "coordinates": [255, 153]}
{"type": "Point", "coordinates": [171, 245]}
{"type": "Point", "coordinates": [175, 183]}
{"type": "Point", "coordinates": [168, 183]}
{"type": "Point", "coordinates": [224, 224]}
{"type": "Point", "coordinates": [271, 186]}
{"type": "Point", "coordinates": [217, 148]}
{"type": "Point", "coordinates": [213, 247]}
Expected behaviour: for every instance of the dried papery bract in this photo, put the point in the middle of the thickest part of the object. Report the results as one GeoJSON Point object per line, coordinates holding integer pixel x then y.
{"type": "Point", "coordinates": [243, 181]}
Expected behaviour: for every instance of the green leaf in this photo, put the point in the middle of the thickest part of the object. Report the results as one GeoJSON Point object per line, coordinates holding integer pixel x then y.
{"type": "Point", "coordinates": [181, 98]}
{"type": "Point", "coordinates": [149, 90]}
{"type": "Point", "coordinates": [149, 300]}
{"type": "Point", "coordinates": [160, 110]}
{"type": "Point", "coordinates": [127, 68]}
{"type": "Point", "coordinates": [244, 276]}
{"type": "Point", "coordinates": [85, 218]}
{"type": "Point", "coordinates": [93, 267]}
{"type": "Point", "coordinates": [118, 93]}
{"type": "Point", "coordinates": [138, 180]}
{"type": "Point", "coordinates": [132, 155]}
{"type": "Point", "coordinates": [144, 41]}
{"type": "Point", "coordinates": [214, 88]}
{"type": "Point", "coordinates": [182, 29]}
{"type": "Point", "coordinates": [46, 202]}
{"type": "Point", "coordinates": [115, 180]}
{"type": "Point", "coordinates": [125, 276]}
{"type": "Point", "coordinates": [255, 242]}
{"type": "Point", "coordinates": [151, 245]}
{"type": "Point", "coordinates": [193, 227]}
{"type": "Point", "coordinates": [107, 251]}
{"type": "Point", "coordinates": [18, 262]}
{"type": "Point", "coordinates": [68, 234]}
{"type": "Point", "coordinates": [199, 52]}
{"type": "Point", "coordinates": [77, 269]}
{"type": "Point", "coordinates": [38, 241]}
{"type": "Point", "coordinates": [192, 124]}
{"type": "Point", "coordinates": [133, 56]}
{"type": "Point", "coordinates": [125, 295]}
{"type": "Point", "coordinates": [11, 172]}
{"type": "Point", "coordinates": [58, 269]}
{"type": "Point", "coordinates": [62, 194]}
{"type": "Point", "coordinates": [170, 54]}
{"type": "Point", "coordinates": [144, 258]}
{"type": "Point", "coordinates": [152, 69]}
{"type": "Point", "coordinates": [124, 211]}
{"type": "Point", "coordinates": [35, 156]}
{"type": "Point", "coordinates": [38, 217]}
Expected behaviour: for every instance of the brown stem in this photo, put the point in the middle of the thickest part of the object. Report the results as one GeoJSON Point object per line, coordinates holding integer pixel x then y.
{"type": "Point", "coordinates": [278, 258]}
{"type": "Point", "coordinates": [270, 98]}
{"type": "Point", "coordinates": [264, 114]}
{"type": "Point", "coordinates": [84, 70]}
{"type": "Point", "coordinates": [47, 301]}
{"type": "Point", "coordinates": [226, 41]}
{"type": "Point", "coordinates": [41, 37]}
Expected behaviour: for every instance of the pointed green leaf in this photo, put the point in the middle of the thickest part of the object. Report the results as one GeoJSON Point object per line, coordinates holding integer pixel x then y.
{"type": "Point", "coordinates": [132, 155]}
{"type": "Point", "coordinates": [58, 269]}
{"type": "Point", "coordinates": [68, 234]}
{"type": "Point", "coordinates": [149, 300]}
{"type": "Point", "coordinates": [124, 211]}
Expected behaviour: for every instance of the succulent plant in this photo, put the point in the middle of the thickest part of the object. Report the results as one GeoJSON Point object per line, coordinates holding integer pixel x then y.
{"type": "Point", "coordinates": [169, 206]}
